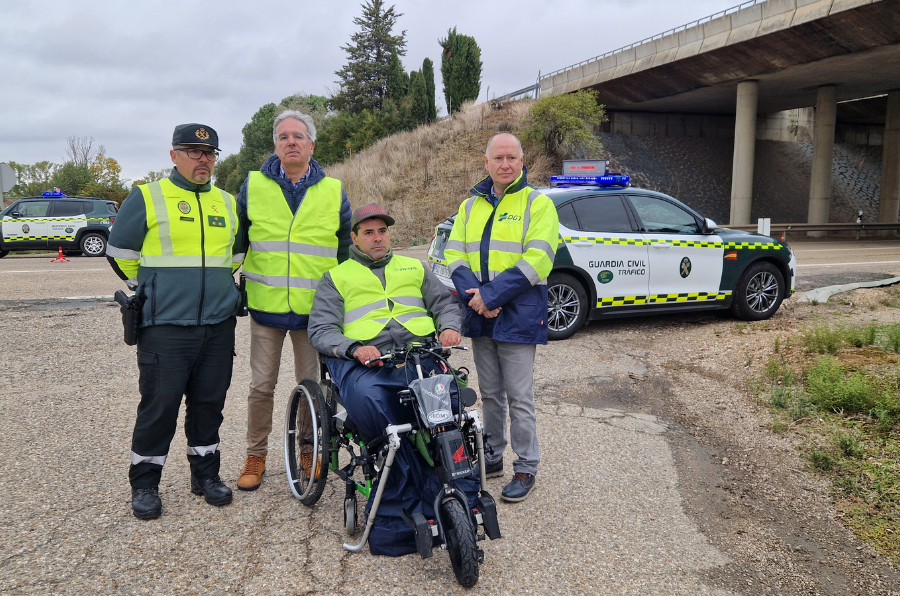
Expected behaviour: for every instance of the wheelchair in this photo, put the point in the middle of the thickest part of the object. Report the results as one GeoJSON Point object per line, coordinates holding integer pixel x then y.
{"type": "Point", "coordinates": [317, 429]}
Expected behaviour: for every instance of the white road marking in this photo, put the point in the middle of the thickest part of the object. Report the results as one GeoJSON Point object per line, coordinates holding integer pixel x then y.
{"type": "Point", "coordinates": [848, 264]}
{"type": "Point", "coordinates": [55, 271]}
{"type": "Point", "coordinates": [805, 250]}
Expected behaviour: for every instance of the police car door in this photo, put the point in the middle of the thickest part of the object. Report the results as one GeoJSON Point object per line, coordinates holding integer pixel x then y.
{"type": "Point", "coordinates": [685, 264]}
{"type": "Point", "coordinates": [602, 241]}
{"type": "Point", "coordinates": [29, 229]}
{"type": "Point", "coordinates": [67, 218]}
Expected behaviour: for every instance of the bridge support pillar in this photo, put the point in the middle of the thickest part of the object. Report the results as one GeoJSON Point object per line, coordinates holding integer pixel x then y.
{"type": "Point", "coordinates": [889, 200]}
{"type": "Point", "coordinates": [744, 148]}
{"type": "Point", "coordinates": [823, 150]}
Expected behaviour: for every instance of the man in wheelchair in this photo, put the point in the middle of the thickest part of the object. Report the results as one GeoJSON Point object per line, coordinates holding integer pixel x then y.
{"type": "Point", "coordinates": [371, 304]}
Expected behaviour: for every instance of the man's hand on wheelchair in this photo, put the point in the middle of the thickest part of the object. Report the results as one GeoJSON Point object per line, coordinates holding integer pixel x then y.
{"type": "Point", "coordinates": [366, 353]}
{"type": "Point", "coordinates": [449, 338]}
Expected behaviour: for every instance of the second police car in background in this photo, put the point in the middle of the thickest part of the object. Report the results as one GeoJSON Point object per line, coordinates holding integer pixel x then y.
{"type": "Point", "coordinates": [626, 251]}
{"type": "Point", "coordinates": [53, 220]}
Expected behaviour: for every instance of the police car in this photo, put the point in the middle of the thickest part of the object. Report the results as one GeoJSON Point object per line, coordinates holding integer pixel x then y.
{"type": "Point", "coordinates": [627, 251]}
{"type": "Point", "coordinates": [53, 220]}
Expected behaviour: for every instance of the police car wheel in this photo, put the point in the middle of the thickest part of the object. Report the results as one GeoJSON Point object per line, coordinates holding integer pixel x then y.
{"type": "Point", "coordinates": [3, 253]}
{"type": "Point", "coordinates": [567, 306]}
{"type": "Point", "coordinates": [759, 292]}
{"type": "Point", "coordinates": [93, 245]}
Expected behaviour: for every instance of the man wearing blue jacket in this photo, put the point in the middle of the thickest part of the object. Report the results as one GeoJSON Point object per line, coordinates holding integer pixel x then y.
{"type": "Point", "coordinates": [297, 221]}
{"type": "Point", "coordinates": [500, 252]}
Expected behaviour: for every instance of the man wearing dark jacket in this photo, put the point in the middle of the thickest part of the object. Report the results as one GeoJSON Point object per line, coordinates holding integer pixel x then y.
{"type": "Point", "coordinates": [173, 242]}
{"type": "Point", "coordinates": [368, 305]}
{"type": "Point", "coordinates": [500, 252]}
{"type": "Point", "coordinates": [298, 227]}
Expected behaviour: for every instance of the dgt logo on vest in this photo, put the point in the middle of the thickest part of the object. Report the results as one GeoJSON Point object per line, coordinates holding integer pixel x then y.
{"type": "Point", "coordinates": [508, 217]}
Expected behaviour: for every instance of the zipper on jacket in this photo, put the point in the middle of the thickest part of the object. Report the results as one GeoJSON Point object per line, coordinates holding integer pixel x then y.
{"type": "Point", "coordinates": [202, 259]}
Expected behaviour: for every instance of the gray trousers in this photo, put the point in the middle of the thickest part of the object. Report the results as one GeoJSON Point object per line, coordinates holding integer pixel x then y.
{"type": "Point", "coordinates": [506, 381]}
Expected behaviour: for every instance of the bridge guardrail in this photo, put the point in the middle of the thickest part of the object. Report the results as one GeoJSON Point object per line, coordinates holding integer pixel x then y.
{"type": "Point", "coordinates": [826, 227]}
{"type": "Point", "coordinates": [700, 21]}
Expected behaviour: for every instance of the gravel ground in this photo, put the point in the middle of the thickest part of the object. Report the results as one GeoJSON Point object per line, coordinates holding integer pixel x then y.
{"type": "Point", "coordinates": [658, 476]}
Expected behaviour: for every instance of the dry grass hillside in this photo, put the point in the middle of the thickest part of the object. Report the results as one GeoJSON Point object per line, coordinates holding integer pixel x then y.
{"type": "Point", "coordinates": [422, 176]}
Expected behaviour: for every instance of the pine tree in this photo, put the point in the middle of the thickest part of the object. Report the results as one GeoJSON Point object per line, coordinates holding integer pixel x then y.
{"type": "Point", "coordinates": [460, 69]}
{"type": "Point", "coordinates": [428, 75]}
{"type": "Point", "coordinates": [398, 80]}
{"type": "Point", "coordinates": [363, 79]}
{"type": "Point", "coordinates": [419, 97]}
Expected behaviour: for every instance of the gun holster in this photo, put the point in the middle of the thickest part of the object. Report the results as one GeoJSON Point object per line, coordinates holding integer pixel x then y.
{"type": "Point", "coordinates": [131, 307]}
{"type": "Point", "coordinates": [243, 311]}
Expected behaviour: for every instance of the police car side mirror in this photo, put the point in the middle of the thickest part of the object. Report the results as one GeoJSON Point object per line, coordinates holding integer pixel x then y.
{"type": "Point", "coordinates": [16, 214]}
{"type": "Point", "coordinates": [709, 226]}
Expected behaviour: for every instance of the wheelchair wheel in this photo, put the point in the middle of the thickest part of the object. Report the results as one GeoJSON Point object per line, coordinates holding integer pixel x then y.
{"type": "Point", "coordinates": [350, 515]}
{"type": "Point", "coordinates": [307, 438]}
{"type": "Point", "coordinates": [460, 534]}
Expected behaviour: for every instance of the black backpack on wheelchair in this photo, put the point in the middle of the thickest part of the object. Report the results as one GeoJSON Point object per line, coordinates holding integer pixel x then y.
{"type": "Point", "coordinates": [318, 431]}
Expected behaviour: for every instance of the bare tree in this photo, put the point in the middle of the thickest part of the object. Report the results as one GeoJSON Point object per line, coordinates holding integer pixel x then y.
{"type": "Point", "coordinates": [81, 151]}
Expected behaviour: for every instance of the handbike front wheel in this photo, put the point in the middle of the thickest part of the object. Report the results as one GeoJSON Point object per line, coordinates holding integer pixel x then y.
{"type": "Point", "coordinates": [307, 437]}
{"type": "Point", "coordinates": [460, 534]}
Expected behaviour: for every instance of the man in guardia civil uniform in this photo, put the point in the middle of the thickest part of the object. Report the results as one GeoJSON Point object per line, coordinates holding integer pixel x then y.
{"type": "Point", "coordinates": [500, 252]}
{"type": "Point", "coordinates": [298, 226]}
{"type": "Point", "coordinates": [370, 304]}
{"type": "Point", "coordinates": [172, 242]}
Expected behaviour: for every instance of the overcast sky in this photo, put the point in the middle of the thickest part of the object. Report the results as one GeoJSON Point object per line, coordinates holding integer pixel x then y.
{"type": "Point", "coordinates": [125, 72]}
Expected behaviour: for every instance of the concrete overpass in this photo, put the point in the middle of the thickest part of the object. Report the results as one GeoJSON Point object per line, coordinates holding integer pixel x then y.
{"type": "Point", "coordinates": [763, 57]}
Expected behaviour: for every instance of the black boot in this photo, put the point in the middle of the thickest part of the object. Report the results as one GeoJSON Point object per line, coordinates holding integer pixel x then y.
{"type": "Point", "coordinates": [145, 503]}
{"type": "Point", "coordinates": [213, 489]}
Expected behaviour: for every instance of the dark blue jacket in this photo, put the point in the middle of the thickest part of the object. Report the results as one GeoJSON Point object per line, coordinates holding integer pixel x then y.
{"type": "Point", "coordinates": [523, 318]}
{"type": "Point", "coordinates": [294, 197]}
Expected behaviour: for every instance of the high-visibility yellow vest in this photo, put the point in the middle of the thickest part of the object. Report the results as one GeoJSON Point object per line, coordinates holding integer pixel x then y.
{"type": "Point", "coordinates": [369, 306]}
{"type": "Point", "coordinates": [289, 252]}
{"type": "Point", "coordinates": [172, 239]}
{"type": "Point", "coordinates": [518, 237]}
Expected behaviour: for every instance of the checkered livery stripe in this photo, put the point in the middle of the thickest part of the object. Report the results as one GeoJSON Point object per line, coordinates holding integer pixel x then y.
{"type": "Point", "coordinates": [754, 245]}
{"type": "Point", "coordinates": [19, 239]}
{"type": "Point", "coordinates": [673, 242]}
{"type": "Point", "coordinates": [661, 298]}
{"type": "Point", "coordinates": [51, 220]}
{"type": "Point", "coordinates": [629, 241]}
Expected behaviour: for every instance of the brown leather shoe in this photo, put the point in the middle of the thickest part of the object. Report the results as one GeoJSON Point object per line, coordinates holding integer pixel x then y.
{"type": "Point", "coordinates": [251, 475]}
{"type": "Point", "coordinates": [306, 462]}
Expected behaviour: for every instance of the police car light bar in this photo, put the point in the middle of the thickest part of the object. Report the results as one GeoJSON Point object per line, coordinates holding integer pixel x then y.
{"type": "Point", "coordinates": [55, 193]}
{"type": "Point", "coordinates": [609, 180]}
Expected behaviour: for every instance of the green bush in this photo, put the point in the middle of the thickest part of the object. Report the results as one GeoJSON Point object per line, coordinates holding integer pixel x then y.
{"type": "Point", "coordinates": [850, 446]}
{"type": "Point", "coordinates": [563, 122]}
{"type": "Point", "coordinates": [830, 387]}
{"type": "Point", "coordinates": [822, 339]}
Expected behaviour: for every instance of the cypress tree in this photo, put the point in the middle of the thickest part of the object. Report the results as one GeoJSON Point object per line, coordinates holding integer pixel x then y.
{"type": "Point", "coordinates": [460, 69]}
{"type": "Point", "coordinates": [398, 80]}
{"type": "Point", "coordinates": [419, 97]}
{"type": "Point", "coordinates": [428, 75]}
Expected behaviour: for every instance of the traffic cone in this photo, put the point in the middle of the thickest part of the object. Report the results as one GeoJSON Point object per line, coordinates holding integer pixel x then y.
{"type": "Point", "coordinates": [60, 258]}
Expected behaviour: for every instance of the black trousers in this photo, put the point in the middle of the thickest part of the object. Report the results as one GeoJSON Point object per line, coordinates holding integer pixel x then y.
{"type": "Point", "coordinates": [175, 361]}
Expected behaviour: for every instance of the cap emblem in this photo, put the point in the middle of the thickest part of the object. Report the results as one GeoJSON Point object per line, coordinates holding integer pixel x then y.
{"type": "Point", "coordinates": [202, 134]}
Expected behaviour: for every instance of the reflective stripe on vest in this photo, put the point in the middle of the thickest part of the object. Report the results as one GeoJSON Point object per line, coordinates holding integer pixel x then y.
{"type": "Point", "coordinates": [174, 221]}
{"type": "Point", "coordinates": [289, 252]}
{"type": "Point", "coordinates": [369, 306]}
{"type": "Point", "coordinates": [511, 220]}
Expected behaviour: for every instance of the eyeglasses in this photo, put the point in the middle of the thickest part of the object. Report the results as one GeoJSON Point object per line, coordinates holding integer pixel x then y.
{"type": "Point", "coordinates": [211, 155]}
{"type": "Point", "coordinates": [297, 136]}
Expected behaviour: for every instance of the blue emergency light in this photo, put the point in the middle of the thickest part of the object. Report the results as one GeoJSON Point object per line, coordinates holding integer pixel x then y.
{"type": "Point", "coordinates": [53, 193]}
{"type": "Point", "coordinates": [608, 180]}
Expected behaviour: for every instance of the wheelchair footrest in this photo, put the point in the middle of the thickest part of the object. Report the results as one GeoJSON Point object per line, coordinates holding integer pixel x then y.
{"type": "Point", "coordinates": [423, 532]}
{"type": "Point", "coordinates": [486, 509]}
